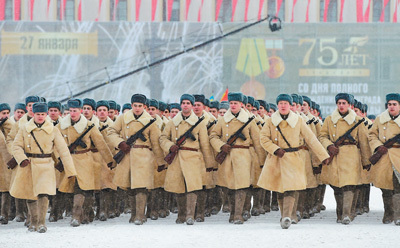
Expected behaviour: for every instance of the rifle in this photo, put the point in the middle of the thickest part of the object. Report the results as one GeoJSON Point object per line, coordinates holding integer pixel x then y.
{"type": "Point", "coordinates": [388, 144]}
{"type": "Point", "coordinates": [188, 134]}
{"type": "Point", "coordinates": [345, 136]}
{"type": "Point", "coordinates": [238, 134]}
{"type": "Point", "coordinates": [104, 127]}
{"type": "Point", "coordinates": [310, 121]}
{"type": "Point", "coordinates": [131, 140]}
{"type": "Point", "coordinates": [73, 146]}
{"type": "Point", "coordinates": [209, 125]}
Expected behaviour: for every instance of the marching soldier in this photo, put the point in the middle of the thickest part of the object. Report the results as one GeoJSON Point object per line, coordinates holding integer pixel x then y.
{"type": "Point", "coordinates": [223, 107]}
{"type": "Point", "coordinates": [235, 169]}
{"type": "Point", "coordinates": [111, 112]}
{"type": "Point", "coordinates": [34, 178]}
{"type": "Point", "coordinates": [185, 172]}
{"type": "Point", "coordinates": [175, 108]}
{"type": "Point", "coordinates": [135, 172]}
{"type": "Point", "coordinates": [214, 108]}
{"type": "Point", "coordinates": [78, 133]}
{"type": "Point", "coordinates": [346, 140]}
{"type": "Point", "coordinates": [385, 173]}
{"type": "Point", "coordinates": [126, 107]}
{"type": "Point", "coordinates": [284, 169]}
{"type": "Point", "coordinates": [54, 111]}
{"type": "Point", "coordinates": [108, 188]}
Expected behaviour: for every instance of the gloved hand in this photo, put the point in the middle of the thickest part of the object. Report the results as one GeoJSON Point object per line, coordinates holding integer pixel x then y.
{"type": "Point", "coordinates": [25, 163]}
{"type": "Point", "coordinates": [209, 169]}
{"type": "Point", "coordinates": [226, 148]}
{"type": "Point", "coordinates": [333, 150]}
{"type": "Point", "coordinates": [161, 168]}
{"type": "Point", "coordinates": [174, 148]}
{"type": "Point", "coordinates": [382, 150]}
{"type": "Point", "coordinates": [215, 169]}
{"type": "Point", "coordinates": [317, 170]}
{"type": "Point", "coordinates": [279, 153]}
{"type": "Point", "coordinates": [367, 167]}
{"type": "Point", "coordinates": [123, 146]}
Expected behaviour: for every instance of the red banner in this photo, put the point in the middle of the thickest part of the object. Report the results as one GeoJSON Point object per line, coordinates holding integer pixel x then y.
{"type": "Point", "coordinates": [17, 10]}
{"type": "Point", "coordinates": [219, 3]}
{"type": "Point", "coordinates": [31, 7]}
{"type": "Point", "coordinates": [234, 3]}
{"type": "Point", "coordinates": [62, 9]}
{"type": "Point", "coordinates": [382, 18]}
{"type": "Point", "coordinates": [187, 9]}
{"type": "Point", "coordinates": [2, 9]}
{"type": "Point", "coordinates": [260, 9]}
{"type": "Point", "coordinates": [278, 7]}
{"type": "Point", "coordinates": [326, 9]}
{"type": "Point", "coordinates": [138, 3]}
{"type": "Point", "coordinates": [115, 9]}
{"type": "Point", "coordinates": [169, 8]}
{"type": "Point", "coordinates": [153, 9]}
{"type": "Point", "coordinates": [341, 10]}
{"type": "Point", "coordinates": [99, 11]}
{"type": "Point", "coordinates": [199, 14]}
{"type": "Point", "coordinates": [395, 11]}
{"type": "Point", "coordinates": [80, 11]}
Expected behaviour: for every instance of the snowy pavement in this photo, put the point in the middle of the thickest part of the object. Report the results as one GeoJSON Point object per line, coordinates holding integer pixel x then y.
{"type": "Point", "coordinates": [262, 231]}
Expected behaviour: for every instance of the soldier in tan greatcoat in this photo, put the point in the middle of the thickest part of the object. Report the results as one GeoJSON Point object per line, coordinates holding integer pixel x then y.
{"type": "Point", "coordinates": [34, 178]}
{"type": "Point", "coordinates": [385, 173]}
{"type": "Point", "coordinates": [185, 173]}
{"type": "Point", "coordinates": [135, 173]}
{"type": "Point", "coordinates": [235, 171]}
{"type": "Point", "coordinates": [283, 136]}
{"type": "Point", "coordinates": [344, 172]}
{"type": "Point", "coordinates": [73, 126]}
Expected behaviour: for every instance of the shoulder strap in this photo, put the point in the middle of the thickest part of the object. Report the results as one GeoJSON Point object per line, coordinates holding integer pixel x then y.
{"type": "Point", "coordinates": [284, 138]}
{"type": "Point", "coordinates": [37, 143]}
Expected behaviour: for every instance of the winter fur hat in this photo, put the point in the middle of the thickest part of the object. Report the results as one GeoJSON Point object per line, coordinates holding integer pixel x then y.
{"type": "Point", "coordinates": [90, 102]}
{"type": "Point", "coordinates": [103, 103]}
{"type": "Point", "coordinates": [393, 97]}
{"type": "Point", "coordinates": [20, 105]}
{"type": "Point", "coordinates": [284, 97]}
{"type": "Point", "coordinates": [175, 106]}
{"type": "Point", "coordinates": [39, 107]}
{"type": "Point", "coordinates": [153, 103]}
{"type": "Point", "coordinates": [139, 98]}
{"type": "Point", "coordinates": [235, 96]}
{"type": "Point", "coordinates": [5, 106]}
{"type": "Point", "coordinates": [54, 104]}
{"type": "Point", "coordinates": [343, 96]}
{"type": "Point", "coordinates": [200, 98]}
{"type": "Point", "coordinates": [75, 103]}
{"type": "Point", "coordinates": [31, 99]}
{"type": "Point", "coordinates": [126, 106]}
{"type": "Point", "coordinates": [188, 97]}
{"type": "Point", "coordinates": [214, 104]}
{"type": "Point", "coordinates": [162, 106]}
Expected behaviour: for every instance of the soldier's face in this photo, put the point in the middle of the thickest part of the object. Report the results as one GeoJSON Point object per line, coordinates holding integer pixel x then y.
{"type": "Point", "coordinates": [271, 111]}
{"type": "Point", "coordinates": [153, 111]}
{"type": "Point", "coordinates": [214, 112]}
{"type": "Point", "coordinates": [249, 107]}
{"type": "Point", "coordinates": [75, 113]}
{"type": "Point", "coordinates": [254, 111]}
{"type": "Point", "coordinates": [186, 107]}
{"type": "Point", "coordinates": [111, 113]}
{"type": "Point", "coordinates": [137, 108]}
{"type": "Point", "coordinates": [39, 118]}
{"type": "Point", "coordinates": [393, 108]}
{"type": "Point", "coordinates": [235, 106]}
{"type": "Point", "coordinates": [284, 107]}
{"type": "Point", "coordinates": [102, 113]}
{"type": "Point", "coordinates": [54, 113]}
{"type": "Point", "coordinates": [222, 112]}
{"type": "Point", "coordinates": [173, 113]}
{"type": "Point", "coordinates": [4, 114]}
{"type": "Point", "coordinates": [305, 108]}
{"type": "Point", "coordinates": [166, 113]}
{"type": "Point", "coordinates": [29, 108]}
{"type": "Point", "coordinates": [88, 112]}
{"type": "Point", "coordinates": [198, 108]}
{"type": "Point", "coordinates": [343, 106]}
{"type": "Point", "coordinates": [358, 112]}
{"type": "Point", "coordinates": [261, 111]}
{"type": "Point", "coordinates": [66, 112]}
{"type": "Point", "coordinates": [293, 107]}
{"type": "Point", "coordinates": [18, 114]}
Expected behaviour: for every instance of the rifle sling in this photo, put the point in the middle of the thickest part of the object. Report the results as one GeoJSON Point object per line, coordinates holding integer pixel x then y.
{"type": "Point", "coordinates": [37, 143]}
{"type": "Point", "coordinates": [283, 136]}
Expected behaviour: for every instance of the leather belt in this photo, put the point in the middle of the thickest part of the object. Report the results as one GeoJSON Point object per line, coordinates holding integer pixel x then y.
{"type": "Point", "coordinates": [188, 149]}
{"type": "Point", "coordinates": [241, 147]}
{"type": "Point", "coordinates": [32, 155]}
{"type": "Point", "coordinates": [142, 146]}
{"type": "Point", "coordinates": [395, 146]}
{"type": "Point", "coordinates": [294, 149]}
{"type": "Point", "coordinates": [81, 152]}
{"type": "Point", "coordinates": [94, 150]}
{"type": "Point", "coordinates": [348, 143]}
{"type": "Point", "coordinates": [304, 148]}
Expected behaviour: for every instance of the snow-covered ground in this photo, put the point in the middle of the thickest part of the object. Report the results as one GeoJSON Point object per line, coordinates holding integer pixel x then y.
{"type": "Point", "coordinates": [263, 231]}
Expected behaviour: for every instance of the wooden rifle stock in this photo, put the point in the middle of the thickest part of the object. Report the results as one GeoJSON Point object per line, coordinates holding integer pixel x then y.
{"type": "Point", "coordinates": [388, 144]}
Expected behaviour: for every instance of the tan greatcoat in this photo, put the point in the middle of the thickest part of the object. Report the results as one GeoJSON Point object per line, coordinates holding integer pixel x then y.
{"type": "Point", "coordinates": [104, 174]}
{"type": "Point", "coordinates": [235, 172]}
{"type": "Point", "coordinates": [185, 172]}
{"type": "Point", "coordinates": [383, 129]}
{"type": "Point", "coordinates": [84, 161]}
{"type": "Point", "coordinates": [345, 168]}
{"type": "Point", "coordinates": [287, 173]}
{"type": "Point", "coordinates": [159, 177]}
{"type": "Point", "coordinates": [136, 170]}
{"type": "Point", "coordinates": [38, 177]}
{"type": "Point", "coordinates": [5, 174]}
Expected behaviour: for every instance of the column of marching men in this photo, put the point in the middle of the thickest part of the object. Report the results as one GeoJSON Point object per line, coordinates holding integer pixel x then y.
{"type": "Point", "coordinates": [89, 161]}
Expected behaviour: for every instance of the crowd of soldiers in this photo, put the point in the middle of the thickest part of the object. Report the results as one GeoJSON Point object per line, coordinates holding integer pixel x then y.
{"type": "Point", "coordinates": [91, 161]}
